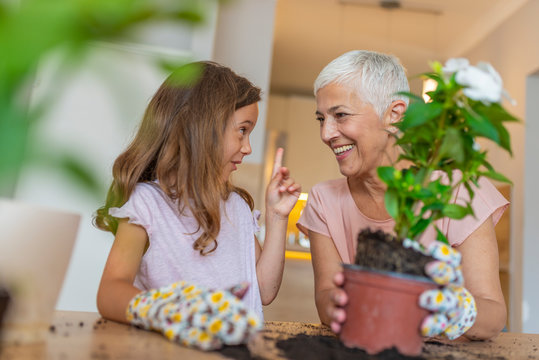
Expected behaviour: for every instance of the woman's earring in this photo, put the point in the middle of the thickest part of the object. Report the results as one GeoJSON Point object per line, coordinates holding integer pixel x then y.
{"type": "Point", "coordinates": [392, 130]}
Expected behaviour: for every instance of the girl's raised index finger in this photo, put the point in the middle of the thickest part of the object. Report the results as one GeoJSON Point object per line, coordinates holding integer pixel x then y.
{"type": "Point", "coordinates": [278, 161]}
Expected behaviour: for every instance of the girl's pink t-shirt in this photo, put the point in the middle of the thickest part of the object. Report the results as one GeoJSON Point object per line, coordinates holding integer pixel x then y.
{"type": "Point", "coordinates": [170, 256]}
{"type": "Point", "coordinates": [331, 211]}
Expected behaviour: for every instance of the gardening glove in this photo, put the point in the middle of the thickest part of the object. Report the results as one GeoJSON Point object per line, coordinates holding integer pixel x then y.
{"type": "Point", "coordinates": [453, 306]}
{"type": "Point", "coordinates": [194, 316]}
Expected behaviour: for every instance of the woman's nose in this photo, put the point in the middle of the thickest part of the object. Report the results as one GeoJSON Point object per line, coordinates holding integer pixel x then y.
{"type": "Point", "coordinates": [328, 130]}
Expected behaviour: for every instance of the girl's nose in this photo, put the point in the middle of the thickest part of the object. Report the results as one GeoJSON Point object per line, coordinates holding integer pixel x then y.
{"type": "Point", "coordinates": [328, 130]}
{"type": "Point", "coordinates": [246, 147]}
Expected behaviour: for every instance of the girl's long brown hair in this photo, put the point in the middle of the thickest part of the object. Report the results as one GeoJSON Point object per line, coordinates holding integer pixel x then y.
{"type": "Point", "coordinates": [180, 144]}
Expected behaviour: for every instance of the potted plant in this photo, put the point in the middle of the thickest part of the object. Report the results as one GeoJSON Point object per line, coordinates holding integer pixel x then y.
{"type": "Point", "coordinates": [438, 139]}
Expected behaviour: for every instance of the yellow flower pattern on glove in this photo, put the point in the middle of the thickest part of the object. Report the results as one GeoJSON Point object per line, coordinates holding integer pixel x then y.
{"type": "Point", "coordinates": [194, 316]}
{"type": "Point", "coordinates": [453, 306]}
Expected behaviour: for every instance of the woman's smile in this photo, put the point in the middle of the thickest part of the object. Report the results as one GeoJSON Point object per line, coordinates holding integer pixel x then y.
{"type": "Point", "coordinates": [343, 151]}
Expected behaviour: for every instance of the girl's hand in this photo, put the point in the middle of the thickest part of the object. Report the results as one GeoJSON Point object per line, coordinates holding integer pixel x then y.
{"type": "Point", "coordinates": [195, 316]}
{"type": "Point", "coordinates": [282, 191]}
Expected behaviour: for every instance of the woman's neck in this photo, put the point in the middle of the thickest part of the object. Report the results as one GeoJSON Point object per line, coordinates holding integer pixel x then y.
{"type": "Point", "coordinates": [369, 191]}
{"type": "Point", "coordinates": [369, 196]}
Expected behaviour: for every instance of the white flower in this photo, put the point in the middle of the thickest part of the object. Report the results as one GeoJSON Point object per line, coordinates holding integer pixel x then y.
{"type": "Point", "coordinates": [481, 83]}
{"type": "Point", "coordinates": [455, 64]}
{"type": "Point", "coordinates": [486, 67]}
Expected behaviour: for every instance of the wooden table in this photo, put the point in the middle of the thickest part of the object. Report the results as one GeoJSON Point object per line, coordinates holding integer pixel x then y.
{"type": "Point", "coordinates": [80, 335]}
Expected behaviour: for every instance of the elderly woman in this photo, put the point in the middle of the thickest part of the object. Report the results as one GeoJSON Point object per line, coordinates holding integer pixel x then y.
{"type": "Point", "coordinates": [356, 109]}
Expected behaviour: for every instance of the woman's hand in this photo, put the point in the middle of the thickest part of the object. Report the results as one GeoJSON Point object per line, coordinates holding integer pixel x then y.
{"type": "Point", "coordinates": [338, 299]}
{"type": "Point", "coordinates": [282, 192]}
{"type": "Point", "coordinates": [330, 297]}
{"type": "Point", "coordinates": [453, 306]}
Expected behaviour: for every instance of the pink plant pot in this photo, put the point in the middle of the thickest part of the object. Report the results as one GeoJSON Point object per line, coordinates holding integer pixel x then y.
{"type": "Point", "coordinates": [383, 311]}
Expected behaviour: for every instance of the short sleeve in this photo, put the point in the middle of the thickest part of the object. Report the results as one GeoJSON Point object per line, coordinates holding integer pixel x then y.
{"type": "Point", "coordinates": [256, 217]}
{"type": "Point", "coordinates": [488, 201]}
{"type": "Point", "coordinates": [313, 217]}
{"type": "Point", "coordinates": [138, 208]}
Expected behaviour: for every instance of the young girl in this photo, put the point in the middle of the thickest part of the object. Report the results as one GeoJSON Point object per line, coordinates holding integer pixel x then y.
{"type": "Point", "coordinates": [176, 216]}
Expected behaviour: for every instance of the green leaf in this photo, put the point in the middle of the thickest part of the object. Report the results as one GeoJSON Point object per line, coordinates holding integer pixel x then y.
{"type": "Point", "coordinates": [436, 66]}
{"type": "Point", "coordinates": [419, 113]}
{"type": "Point", "coordinates": [440, 236]}
{"type": "Point", "coordinates": [496, 176]}
{"type": "Point", "coordinates": [471, 193]}
{"type": "Point", "coordinates": [424, 194]}
{"type": "Point", "coordinates": [409, 176]}
{"type": "Point", "coordinates": [435, 206]}
{"type": "Point", "coordinates": [387, 174]}
{"type": "Point", "coordinates": [505, 140]}
{"type": "Point", "coordinates": [392, 203]}
{"type": "Point", "coordinates": [494, 111]}
{"type": "Point", "coordinates": [80, 174]}
{"type": "Point", "coordinates": [411, 96]}
{"type": "Point", "coordinates": [420, 226]}
{"type": "Point", "coordinates": [452, 145]}
{"type": "Point", "coordinates": [482, 126]}
{"type": "Point", "coordinates": [455, 211]}
{"type": "Point", "coordinates": [187, 74]}
{"type": "Point", "coordinates": [410, 216]}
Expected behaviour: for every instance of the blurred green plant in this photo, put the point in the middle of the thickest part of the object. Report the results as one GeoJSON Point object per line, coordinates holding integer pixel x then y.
{"type": "Point", "coordinates": [32, 29]}
{"type": "Point", "coordinates": [439, 139]}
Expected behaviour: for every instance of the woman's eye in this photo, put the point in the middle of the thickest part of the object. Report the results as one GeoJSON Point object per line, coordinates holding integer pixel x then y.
{"type": "Point", "coordinates": [243, 130]}
{"type": "Point", "coordinates": [319, 119]}
{"type": "Point", "coordinates": [340, 115]}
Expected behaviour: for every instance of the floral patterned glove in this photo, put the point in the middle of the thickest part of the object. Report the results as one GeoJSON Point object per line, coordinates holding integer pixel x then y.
{"type": "Point", "coordinates": [194, 316]}
{"type": "Point", "coordinates": [453, 306]}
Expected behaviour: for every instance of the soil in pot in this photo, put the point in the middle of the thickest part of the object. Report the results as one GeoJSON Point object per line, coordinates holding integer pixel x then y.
{"type": "Point", "coordinates": [383, 290]}
{"type": "Point", "coordinates": [381, 251]}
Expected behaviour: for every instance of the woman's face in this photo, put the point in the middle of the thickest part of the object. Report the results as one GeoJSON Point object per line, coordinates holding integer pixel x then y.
{"type": "Point", "coordinates": [236, 138]}
{"type": "Point", "coordinates": [352, 129]}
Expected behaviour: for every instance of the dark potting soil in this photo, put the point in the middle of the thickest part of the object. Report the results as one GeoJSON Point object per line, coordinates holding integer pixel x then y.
{"type": "Point", "coordinates": [382, 251]}
{"type": "Point", "coordinates": [301, 347]}
{"type": "Point", "coordinates": [238, 352]}
{"type": "Point", "coordinates": [318, 347]}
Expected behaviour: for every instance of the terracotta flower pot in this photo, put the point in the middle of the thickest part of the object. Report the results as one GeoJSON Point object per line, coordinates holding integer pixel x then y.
{"type": "Point", "coordinates": [35, 249]}
{"type": "Point", "coordinates": [383, 311]}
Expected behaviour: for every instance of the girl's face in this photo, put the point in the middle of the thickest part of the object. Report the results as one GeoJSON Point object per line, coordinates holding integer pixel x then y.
{"type": "Point", "coordinates": [352, 129]}
{"type": "Point", "coordinates": [236, 139]}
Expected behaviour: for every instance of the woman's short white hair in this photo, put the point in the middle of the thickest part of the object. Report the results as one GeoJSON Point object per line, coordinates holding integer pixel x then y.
{"type": "Point", "coordinates": [376, 77]}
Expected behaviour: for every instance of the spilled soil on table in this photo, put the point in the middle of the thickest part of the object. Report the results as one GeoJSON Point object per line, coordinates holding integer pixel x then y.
{"type": "Point", "coordinates": [303, 347]}
{"type": "Point", "coordinates": [328, 347]}
{"type": "Point", "coordinates": [238, 352]}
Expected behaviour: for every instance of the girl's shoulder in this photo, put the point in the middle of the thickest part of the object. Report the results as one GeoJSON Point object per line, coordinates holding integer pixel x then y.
{"type": "Point", "coordinates": [148, 192]}
{"type": "Point", "coordinates": [235, 199]}
{"type": "Point", "coordinates": [147, 189]}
